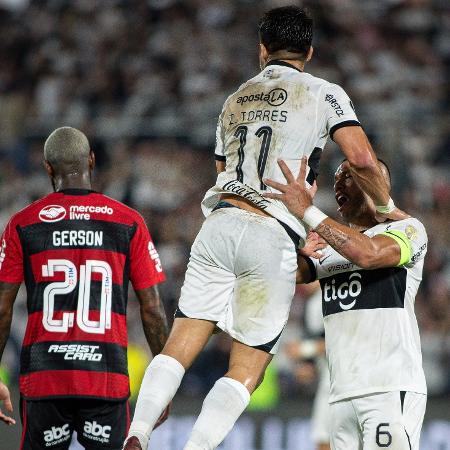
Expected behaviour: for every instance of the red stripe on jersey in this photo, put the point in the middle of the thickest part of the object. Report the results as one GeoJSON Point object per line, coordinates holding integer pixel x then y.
{"type": "Point", "coordinates": [78, 257]}
{"type": "Point", "coordinates": [36, 332]}
{"type": "Point", "coordinates": [74, 383]}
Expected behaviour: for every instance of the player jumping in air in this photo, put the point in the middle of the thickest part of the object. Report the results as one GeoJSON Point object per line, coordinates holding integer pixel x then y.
{"type": "Point", "coordinates": [369, 276]}
{"type": "Point", "coordinates": [241, 273]}
{"type": "Point", "coordinates": [76, 249]}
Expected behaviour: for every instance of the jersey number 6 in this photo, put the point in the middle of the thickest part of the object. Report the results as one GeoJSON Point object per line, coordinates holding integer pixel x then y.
{"type": "Point", "coordinates": [84, 294]}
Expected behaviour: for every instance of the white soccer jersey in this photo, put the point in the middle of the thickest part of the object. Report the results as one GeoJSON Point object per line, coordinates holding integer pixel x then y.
{"type": "Point", "coordinates": [371, 333]}
{"type": "Point", "coordinates": [282, 113]}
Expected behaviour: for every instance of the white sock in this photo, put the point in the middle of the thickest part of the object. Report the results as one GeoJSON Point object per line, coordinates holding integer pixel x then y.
{"type": "Point", "coordinates": [223, 405]}
{"type": "Point", "coordinates": [161, 381]}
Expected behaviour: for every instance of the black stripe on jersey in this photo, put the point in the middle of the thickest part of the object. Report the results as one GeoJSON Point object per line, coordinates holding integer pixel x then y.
{"type": "Point", "coordinates": [345, 123]}
{"type": "Point", "coordinates": [68, 302]}
{"type": "Point", "coordinates": [77, 191]}
{"type": "Point", "coordinates": [38, 237]}
{"type": "Point", "coordinates": [314, 163]}
{"type": "Point", "coordinates": [62, 356]}
{"type": "Point", "coordinates": [220, 157]}
{"type": "Point", "coordinates": [277, 62]}
{"type": "Point", "coordinates": [364, 289]}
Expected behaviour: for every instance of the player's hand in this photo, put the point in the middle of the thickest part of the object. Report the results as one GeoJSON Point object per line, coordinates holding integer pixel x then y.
{"type": "Point", "coordinates": [314, 243]}
{"type": "Point", "coordinates": [5, 402]}
{"type": "Point", "coordinates": [395, 214]}
{"type": "Point", "coordinates": [163, 417]}
{"type": "Point", "coordinates": [294, 194]}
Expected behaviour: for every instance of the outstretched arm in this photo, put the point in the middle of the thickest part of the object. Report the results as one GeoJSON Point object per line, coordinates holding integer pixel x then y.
{"type": "Point", "coordinates": [8, 293]}
{"type": "Point", "coordinates": [366, 252]}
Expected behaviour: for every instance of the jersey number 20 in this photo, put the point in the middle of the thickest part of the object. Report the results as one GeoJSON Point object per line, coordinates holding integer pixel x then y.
{"type": "Point", "coordinates": [84, 293]}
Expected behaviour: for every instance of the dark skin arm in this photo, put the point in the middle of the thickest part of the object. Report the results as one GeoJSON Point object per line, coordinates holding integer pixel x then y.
{"type": "Point", "coordinates": [8, 293]}
{"type": "Point", "coordinates": [153, 317]}
{"type": "Point", "coordinates": [367, 253]}
{"type": "Point", "coordinates": [154, 323]}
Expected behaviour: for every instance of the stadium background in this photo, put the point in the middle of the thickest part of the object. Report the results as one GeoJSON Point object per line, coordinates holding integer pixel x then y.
{"type": "Point", "coordinates": [146, 79]}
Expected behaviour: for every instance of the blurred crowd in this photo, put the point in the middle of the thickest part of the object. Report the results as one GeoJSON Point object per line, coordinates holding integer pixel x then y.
{"type": "Point", "coordinates": [146, 79]}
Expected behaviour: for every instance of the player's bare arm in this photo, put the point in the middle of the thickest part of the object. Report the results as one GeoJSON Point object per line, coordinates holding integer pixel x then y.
{"type": "Point", "coordinates": [220, 166]}
{"type": "Point", "coordinates": [8, 293]}
{"type": "Point", "coordinates": [364, 167]}
{"type": "Point", "coordinates": [153, 317]}
{"type": "Point", "coordinates": [367, 253]}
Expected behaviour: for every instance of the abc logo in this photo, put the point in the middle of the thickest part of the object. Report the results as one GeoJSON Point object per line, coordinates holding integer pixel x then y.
{"type": "Point", "coordinates": [95, 429]}
{"type": "Point", "coordinates": [57, 433]}
{"type": "Point", "coordinates": [351, 289]}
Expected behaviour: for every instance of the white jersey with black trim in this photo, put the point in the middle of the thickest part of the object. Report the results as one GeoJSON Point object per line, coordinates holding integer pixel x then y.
{"type": "Point", "coordinates": [282, 113]}
{"type": "Point", "coordinates": [371, 333]}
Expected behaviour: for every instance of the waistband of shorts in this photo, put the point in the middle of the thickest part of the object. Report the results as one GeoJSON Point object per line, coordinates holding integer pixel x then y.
{"type": "Point", "coordinates": [290, 232]}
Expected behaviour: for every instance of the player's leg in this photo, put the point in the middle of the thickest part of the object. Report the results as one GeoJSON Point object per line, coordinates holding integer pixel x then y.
{"type": "Point", "coordinates": [46, 424]}
{"type": "Point", "coordinates": [387, 423]}
{"type": "Point", "coordinates": [101, 424]}
{"type": "Point", "coordinates": [345, 431]}
{"type": "Point", "coordinates": [165, 372]}
{"type": "Point", "coordinates": [265, 263]}
{"type": "Point", "coordinates": [413, 409]}
{"type": "Point", "coordinates": [229, 397]}
{"type": "Point", "coordinates": [320, 417]}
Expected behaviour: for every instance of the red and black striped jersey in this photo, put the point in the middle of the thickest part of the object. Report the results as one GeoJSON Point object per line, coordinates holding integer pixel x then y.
{"type": "Point", "coordinates": [76, 250]}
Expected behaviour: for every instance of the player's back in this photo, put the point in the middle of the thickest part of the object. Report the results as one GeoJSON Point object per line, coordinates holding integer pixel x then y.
{"type": "Point", "coordinates": [282, 113]}
{"type": "Point", "coordinates": [75, 248]}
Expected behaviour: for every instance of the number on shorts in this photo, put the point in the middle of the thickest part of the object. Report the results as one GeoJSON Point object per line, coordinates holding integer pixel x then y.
{"type": "Point", "coordinates": [265, 133]}
{"type": "Point", "coordinates": [84, 290]}
{"type": "Point", "coordinates": [383, 438]}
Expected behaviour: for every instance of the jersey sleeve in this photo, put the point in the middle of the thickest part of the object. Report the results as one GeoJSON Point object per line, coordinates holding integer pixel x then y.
{"type": "Point", "coordinates": [145, 264]}
{"type": "Point", "coordinates": [219, 152]}
{"type": "Point", "coordinates": [11, 255]}
{"type": "Point", "coordinates": [411, 236]}
{"type": "Point", "coordinates": [338, 109]}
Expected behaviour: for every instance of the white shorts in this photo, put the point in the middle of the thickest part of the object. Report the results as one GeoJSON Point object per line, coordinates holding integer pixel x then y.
{"type": "Point", "coordinates": [241, 274]}
{"type": "Point", "coordinates": [390, 420]}
{"type": "Point", "coordinates": [320, 417]}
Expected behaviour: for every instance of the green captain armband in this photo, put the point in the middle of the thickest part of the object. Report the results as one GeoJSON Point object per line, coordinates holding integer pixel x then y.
{"type": "Point", "coordinates": [403, 241]}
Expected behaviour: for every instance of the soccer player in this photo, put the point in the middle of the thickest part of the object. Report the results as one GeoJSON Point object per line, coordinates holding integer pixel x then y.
{"type": "Point", "coordinates": [369, 276]}
{"type": "Point", "coordinates": [241, 274]}
{"type": "Point", "coordinates": [76, 250]}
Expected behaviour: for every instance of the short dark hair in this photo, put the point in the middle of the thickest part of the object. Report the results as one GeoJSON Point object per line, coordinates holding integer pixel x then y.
{"type": "Point", "coordinates": [287, 28]}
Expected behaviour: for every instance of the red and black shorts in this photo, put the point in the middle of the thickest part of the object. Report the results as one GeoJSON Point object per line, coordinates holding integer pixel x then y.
{"type": "Point", "coordinates": [49, 424]}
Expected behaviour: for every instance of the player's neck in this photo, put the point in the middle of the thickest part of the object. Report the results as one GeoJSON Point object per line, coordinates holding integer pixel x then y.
{"type": "Point", "coordinates": [75, 180]}
{"type": "Point", "coordinates": [362, 221]}
{"type": "Point", "coordinates": [285, 57]}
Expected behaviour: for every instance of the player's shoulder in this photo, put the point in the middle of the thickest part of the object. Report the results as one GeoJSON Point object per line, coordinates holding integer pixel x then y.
{"type": "Point", "coordinates": [121, 208]}
{"type": "Point", "coordinates": [411, 226]}
{"type": "Point", "coordinates": [27, 213]}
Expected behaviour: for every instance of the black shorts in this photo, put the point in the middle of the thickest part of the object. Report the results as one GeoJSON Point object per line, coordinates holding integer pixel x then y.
{"type": "Point", "coordinates": [49, 424]}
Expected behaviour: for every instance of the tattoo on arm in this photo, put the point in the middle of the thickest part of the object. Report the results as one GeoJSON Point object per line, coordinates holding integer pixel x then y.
{"type": "Point", "coordinates": [336, 238]}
